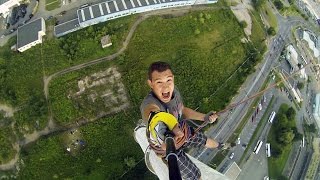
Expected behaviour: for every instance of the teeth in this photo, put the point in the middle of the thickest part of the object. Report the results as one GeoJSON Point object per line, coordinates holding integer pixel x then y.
{"type": "Point", "coordinates": [166, 94]}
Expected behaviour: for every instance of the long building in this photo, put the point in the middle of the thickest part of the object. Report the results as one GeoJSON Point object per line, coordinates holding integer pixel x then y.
{"type": "Point", "coordinates": [109, 10]}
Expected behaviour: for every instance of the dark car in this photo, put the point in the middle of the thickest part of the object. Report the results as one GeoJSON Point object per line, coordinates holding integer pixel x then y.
{"type": "Point", "coordinates": [26, 21]}
{"type": "Point", "coordinates": [14, 16]}
{"type": "Point", "coordinates": [13, 30]}
{"type": "Point", "coordinates": [63, 12]}
{"type": "Point", "coordinates": [50, 17]}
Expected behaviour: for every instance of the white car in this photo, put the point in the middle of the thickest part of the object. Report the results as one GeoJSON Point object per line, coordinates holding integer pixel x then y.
{"type": "Point", "coordinates": [238, 140]}
{"type": "Point", "coordinates": [231, 156]}
{"type": "Point", "coordinates": [260, 106]}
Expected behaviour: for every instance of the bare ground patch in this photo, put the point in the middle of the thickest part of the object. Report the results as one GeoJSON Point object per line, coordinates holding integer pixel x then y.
{"type": "Point", "coordinates": [102, 89]}
{"type": "Point", "coordinates": [242, 14]}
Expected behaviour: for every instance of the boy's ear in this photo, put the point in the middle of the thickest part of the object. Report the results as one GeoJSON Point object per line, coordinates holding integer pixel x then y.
{"type": "Point", "coordinates": [149, 83]}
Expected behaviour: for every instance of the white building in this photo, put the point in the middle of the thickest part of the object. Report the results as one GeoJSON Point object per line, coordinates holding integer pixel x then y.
{"type": "Point", "coordinates": [292, 58]}
{"type": "Point", "coordinates": [30, 34]}
{"type": "Point", "coordinates": [313, 43]}
{"type": "Point", "coordinates": [6, 6]}
{"type": "Point", "coordinates": [316, 109]}
{"type": "Point", "coordinates": [312, 8]}
{"type": "Point", "coordinates": [113, 9]}
{"type": "Point", "coordinates": [106, 41]}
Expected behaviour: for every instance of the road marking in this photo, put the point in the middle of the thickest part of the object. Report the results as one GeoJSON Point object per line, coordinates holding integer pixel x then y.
{"type": "Point", "coordinates": [115, 5]}
{"type": "Point", "coordinates": [133, 5]}
{"type": "Point", "coordinates": [101, 11]}
{"type": "Point", "coordinates": [91, 13]}
{"type": "Point", "coordinates": [139, 3]}
{"type": "Point", "coordinates": [108, 9]}
{"type": "Point", "coordinates": [124, 4]}
{"type": "Point", "coordinates": [82, 15]}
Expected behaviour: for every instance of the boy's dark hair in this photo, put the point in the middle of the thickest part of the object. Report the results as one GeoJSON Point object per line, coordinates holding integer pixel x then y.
{"type": "Point", "coordinates": [159, 66]}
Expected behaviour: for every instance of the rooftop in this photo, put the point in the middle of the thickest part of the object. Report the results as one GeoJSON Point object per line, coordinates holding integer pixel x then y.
{"type": "Point", "coordinates": [110, 7]}
{"type": "Point", "coordinates": [3, 1]}
{"type": "Point", "coordinates": [29, 32]}
{"type": "Point", "coordinates": [66, 27]}
{"type": "Point", "coordinates": [314, 6]}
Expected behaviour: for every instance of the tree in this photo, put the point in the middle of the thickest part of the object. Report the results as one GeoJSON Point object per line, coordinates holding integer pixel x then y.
{"type": "Point", "coordinates": [282, 120]}
{"type": "Point", "coordinates": [201, 20]}
{"type": "Point", "coordinates": [243, 24]}
{"type": "Point", "coordinates": [271, 31]}
{"type": "Point", "coordinates": [300, 85]}
{"type": "Point", "coordinates": [258, 3]}
{"type": "Point", "coordinates": [276, 151]}
{"type": "Point", "coordinates": [311, 128]}
{"type": "Point", "coordinates": [278, 4]}
{"type": "Point", "coordinates": [197, 31]}
{"type": "Point", "coordinates": [130, 162]}
{"type": "Point", "coordinates": [286, 136]}
{"type": "Point", "coordinates": [291, 113]}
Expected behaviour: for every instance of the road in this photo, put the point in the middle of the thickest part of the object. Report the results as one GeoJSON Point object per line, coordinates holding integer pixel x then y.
{"type": "Point", "coordinates": [222, 131]}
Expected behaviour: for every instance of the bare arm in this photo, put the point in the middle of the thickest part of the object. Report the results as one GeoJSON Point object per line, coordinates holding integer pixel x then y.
{"type": "Point", "coordinates": [192, 114]}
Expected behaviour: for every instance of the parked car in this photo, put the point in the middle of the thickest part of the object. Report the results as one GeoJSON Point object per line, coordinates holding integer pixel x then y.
{"type": "Point", "coordinates": [244, 145]}
{"type": "Point", "coordinates": [238, 140]}
{"type": "Point", "coordinates": [13, 30]}
{"type": "Point", "coordinates": [26, 21]}
{"type": "Point", "coordinates": [63, 13]}
{"type": "Point", "coordinates": [50, 17]}
{"type": "Point", "coordinates": [231, 156]}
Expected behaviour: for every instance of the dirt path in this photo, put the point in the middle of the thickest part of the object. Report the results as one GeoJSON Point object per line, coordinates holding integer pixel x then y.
{"type": "Point", "coordinates": [7, 109]}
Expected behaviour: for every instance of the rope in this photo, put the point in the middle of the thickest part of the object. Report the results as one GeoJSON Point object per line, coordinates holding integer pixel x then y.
{"type": "Point", "coordinates": [251, 97]}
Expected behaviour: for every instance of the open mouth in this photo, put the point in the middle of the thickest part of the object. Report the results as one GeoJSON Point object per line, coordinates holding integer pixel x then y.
{"type": "Point", "coordinates": [166, 95]}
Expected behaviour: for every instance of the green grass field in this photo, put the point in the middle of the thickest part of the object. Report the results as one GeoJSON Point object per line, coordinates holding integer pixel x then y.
{"type": "Point", "coordinates": [52, 4]}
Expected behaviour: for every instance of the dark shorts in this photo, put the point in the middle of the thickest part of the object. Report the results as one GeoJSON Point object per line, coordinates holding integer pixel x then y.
{"type": "Point", "coordinates": [189, 171]}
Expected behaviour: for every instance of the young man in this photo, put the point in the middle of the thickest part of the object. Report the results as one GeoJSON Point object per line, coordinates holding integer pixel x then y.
{"type": "Point", "coordinates": [165, 97]}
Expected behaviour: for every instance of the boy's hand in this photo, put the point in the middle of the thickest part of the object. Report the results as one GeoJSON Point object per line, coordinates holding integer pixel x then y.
{"type": "Point", "coordinates": [211, 117]}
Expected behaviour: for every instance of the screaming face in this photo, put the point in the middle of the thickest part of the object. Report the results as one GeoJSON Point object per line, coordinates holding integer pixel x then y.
{"type": "Point", "coordinates": [162, 85]}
